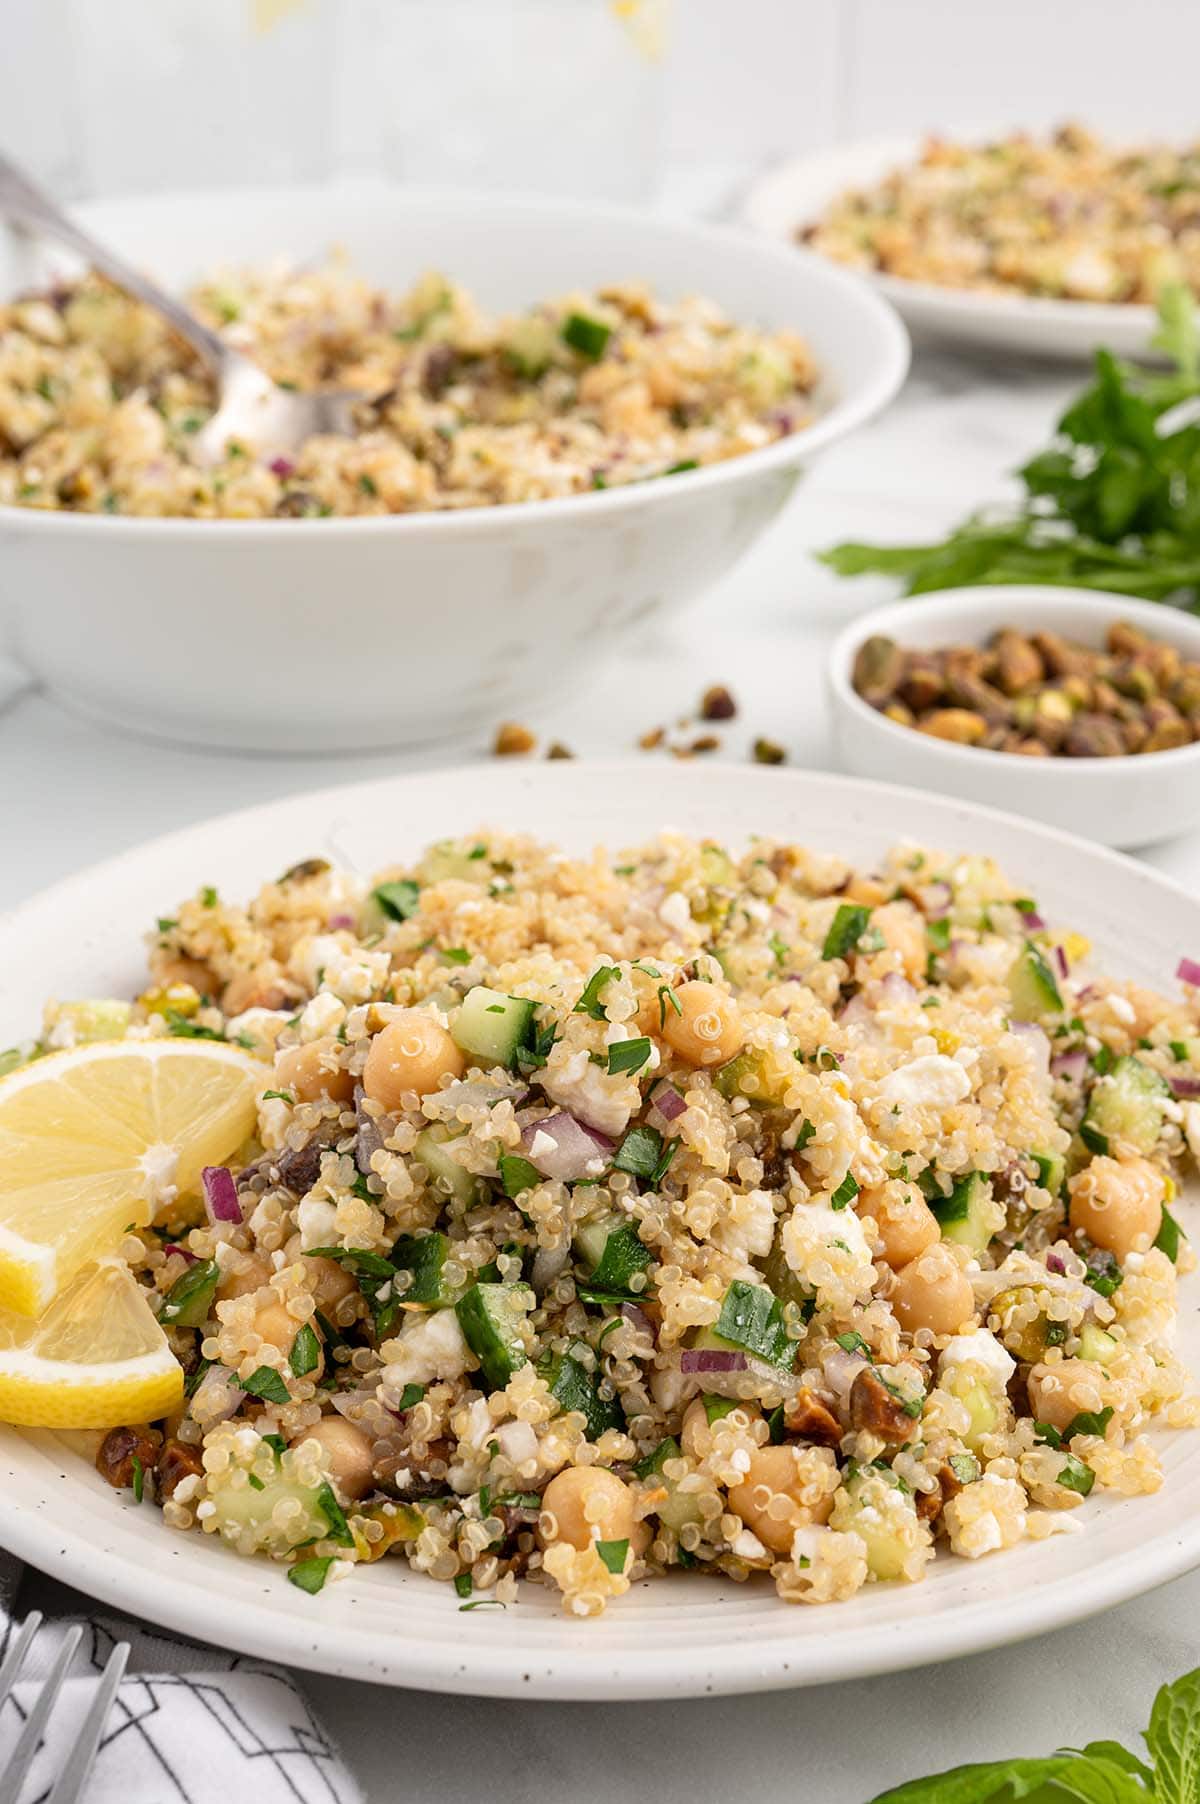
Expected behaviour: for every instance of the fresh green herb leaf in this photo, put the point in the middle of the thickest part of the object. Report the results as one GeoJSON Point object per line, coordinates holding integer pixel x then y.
{"type": "Point", "coordinates": [517, 1174]}
{"type": "Point", "coordinates": [399, 900]}
{"type": "Point", "coordinates": [305, 1355]}
{"type": "Point", "coordinates": [455, 955]}
{"type": "Point", "coordinates": [463, 1583]}
{"type": "Point", "coordinates": [1076, 1476]}
{"type": "Point", "coordinates": [846, 1192]}
{"type": "Point", "coordinates": [410, 1395]}
{"type": "Point", "coordinates": [266, 1384]}
{"type": "Point", "coordinates": [1169, 1235]}
{"type": "Point", "coordinates": [208, 896]}
{"type": "Point", "coordinates": [639, 1152]}
{"type": "Point", "coordinates": [1173, 1739]}
{"type": "Point", "coordinates": [586, 335]}
{"type": "Point", "coordinates": [310, 1575]}
{"type": "Point", "coordinates": [613, 1553]}
{"type": "Point", "coordinates": [852, 1343]}
{"type": "Point", "coordinates": [278, 1096]}
{"type": "Point", "coordinates": [751, 1318]}
{"type": "Point", "coordinates": [845, 931]}
{"type": "Point", "coordinates": [139, 1479]}
{"type": "Point", "coordinates": [255, 1482]}
{"type": "Point", "coordinates": [331, 1509]}
{"type": "Point", "coordinates": [589, 1003]}
{"type": "Point", "coordinates": [628, 1055]}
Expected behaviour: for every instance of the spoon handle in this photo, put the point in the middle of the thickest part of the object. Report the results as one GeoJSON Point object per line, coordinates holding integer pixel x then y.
{"type": "Point", "coordinates": [25, 204]}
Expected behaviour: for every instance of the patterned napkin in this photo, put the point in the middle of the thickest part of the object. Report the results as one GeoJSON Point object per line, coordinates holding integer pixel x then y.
{"type": "Point", "coordinates": [190, 1725]}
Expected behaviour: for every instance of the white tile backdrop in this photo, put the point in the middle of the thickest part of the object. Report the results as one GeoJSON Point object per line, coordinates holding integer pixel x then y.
{"type": "Point", "coordinates": [95, 95]}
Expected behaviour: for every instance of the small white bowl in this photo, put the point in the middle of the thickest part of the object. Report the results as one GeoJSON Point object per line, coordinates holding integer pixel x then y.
{"type": "Point", "coordinates": [1128, 801]}
{"type": "Point", "coordinates": [346, 634]}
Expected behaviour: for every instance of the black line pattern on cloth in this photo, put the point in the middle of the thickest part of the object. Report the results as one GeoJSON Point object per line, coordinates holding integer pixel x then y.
{"type": "Point", "coordinates": [139, 1704]}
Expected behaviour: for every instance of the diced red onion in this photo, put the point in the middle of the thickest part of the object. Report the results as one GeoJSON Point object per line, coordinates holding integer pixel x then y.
{"type": "Point", "coordinates": [1055, 1263]}
{"type": "Point", "coordinates": [841, 1369]}
{"type": "Point", "coordinates": [1073, 1066]}
{"type": "Point", "coordinates": [711, 1359]}
{"type": "Point", "coordinates": [937, 898]}
{"type": "Point", "coordinates": [370, 1135]}
{"type": "Point", "coordinates": [341, 920]}
{"type": "Point", "coordinates": [548, 1264]}
{"type": "Point", "coordinates": [185, 1253]}
{"type": "Point", "coordinates": [897, 988]}
{"type": "Point", "coordinates": [1188, 971]}
{"type": "Point", "coordinates": [218, 1396]}
{"type": "Point", "coordinates": [282, 466]}
{"type": "Point", "coordinates": [637, 1318]}
{"type": "Point", "coordinates": [855, 1012]}
{"type": "Point", "coordinates": [1033, 921]}
{"type": "Point", "coordinates": [1184, 1086]}
{"type": "Point", "coordinates": [574, 1152]}
{"type": "Point", "coordinates": [668, 1101]}
{"type": "Point", "coordinates": [1060, 960]}
{"type": "Point", "coordinates": [220, 1195]}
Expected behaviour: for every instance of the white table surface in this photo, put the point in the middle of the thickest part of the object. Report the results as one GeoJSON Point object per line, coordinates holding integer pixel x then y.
{"type": "Point", "coordinates": [73, 793]}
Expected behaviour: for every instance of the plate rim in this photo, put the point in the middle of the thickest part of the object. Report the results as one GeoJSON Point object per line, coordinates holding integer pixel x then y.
{"type": "Point", "coordinates": [815, 1650]}
{"type": "Point", "coordinates": [837, 167]}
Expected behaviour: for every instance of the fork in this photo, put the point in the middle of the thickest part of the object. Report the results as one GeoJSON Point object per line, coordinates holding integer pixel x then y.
{"type": "Point", "coordinates": [68, 1787]}
{"type": "Point", "coordinates": [249, 405]}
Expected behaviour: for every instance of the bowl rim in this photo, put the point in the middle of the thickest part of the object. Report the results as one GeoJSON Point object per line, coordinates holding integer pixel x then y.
{"type": "Point", "coordinates": [981, 604]}
{"type": "Point", "coordinates": [891, 346]}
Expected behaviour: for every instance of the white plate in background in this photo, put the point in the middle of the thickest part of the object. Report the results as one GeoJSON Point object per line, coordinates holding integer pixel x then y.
{"type": "Point", "coordinates": [673, 1637]}
{"type": "Point", "coordinates": [797, 193]}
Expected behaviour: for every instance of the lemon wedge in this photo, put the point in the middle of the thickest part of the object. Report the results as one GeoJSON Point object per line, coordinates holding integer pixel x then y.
{"type": "Point", "coordinates": [104, 1135]}
{"type": "Point", "coordinates": [96, 1359]}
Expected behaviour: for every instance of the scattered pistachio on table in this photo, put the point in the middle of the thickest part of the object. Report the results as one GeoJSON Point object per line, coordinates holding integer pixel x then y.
{"type": "Point", "coordinates": [1037, 694]}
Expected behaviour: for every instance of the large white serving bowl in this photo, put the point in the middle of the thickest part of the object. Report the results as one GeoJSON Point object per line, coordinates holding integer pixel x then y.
{"type": "Point", "coordinates": [797, 193]}
{"type": "Point", "coordinates": [337, 635]}
{"type": "Point", "coordinates": [674, 1637]}
{"type": "Point", "coordinates": [1118, 801]}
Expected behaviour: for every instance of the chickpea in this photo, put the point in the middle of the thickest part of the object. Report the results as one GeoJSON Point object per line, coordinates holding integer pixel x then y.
{"type": "Point", "coordinates": [1118, 1203]}
{"type": "Point", "coordinates": [785, 1489]}
{"type": "Point", "coordinates": [932, 1291]}
{"type": "Point", "coordinates": [1058, 1392]}
{"type": "Point", "coordinates": [254, 990]}
{"type": "Point", "coordinates": [277, 1325]}
{"type": "Point", "coordinates": [180, 969]}
{"type": "Point", "coordinates": [903, 930]}
{"type": "Point", "coordinates": [907, 1225]}
{"type": "Point", "coordinates": [255, 1271]}
{"type": "Point", "coordinates": [412, 1053]}
{"type": "Point", "coordinates": [589, 1503]}
{"type": "Point", "coordinates": [312, 1071]}
{"type": "Point", "coordinates": [330, 1282]}
{"type": "Point", "coordinates": [707, 1030]}
{"type": "Point", "coordinates": [351, 1463]}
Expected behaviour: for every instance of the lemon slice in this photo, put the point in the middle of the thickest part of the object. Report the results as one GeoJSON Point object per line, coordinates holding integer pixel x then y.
{"type": "Point", "coordinates": [96, 1359]}
{"type": "Point", "coordinates": [101, 1136]}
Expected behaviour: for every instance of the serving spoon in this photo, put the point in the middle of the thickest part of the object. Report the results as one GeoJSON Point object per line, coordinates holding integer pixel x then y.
{"type": "Point", "coordinates": [249, 405]}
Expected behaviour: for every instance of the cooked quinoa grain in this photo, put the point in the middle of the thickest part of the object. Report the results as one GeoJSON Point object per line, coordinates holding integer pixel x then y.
{"type": "Point", "coordinates": [100, 403]}
{"type": "Point", "coordinates": [681, 1207]}
{"type": "Point", "coordinates": [1067, 216]}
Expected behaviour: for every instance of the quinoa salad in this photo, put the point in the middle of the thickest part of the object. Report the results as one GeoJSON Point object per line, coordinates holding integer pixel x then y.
{"type": "Point", "coordinates": [1065, 216]}
{"type": "Point", "coordinates": [100, 403]}
{"type": "Point", "coordinates": [678, 1208]}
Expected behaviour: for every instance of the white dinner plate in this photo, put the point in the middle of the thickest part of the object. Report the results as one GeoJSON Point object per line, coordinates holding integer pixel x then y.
{"type": "Point", "coordinates": [673, 1637]}
{"type": "Point", "coordinates": [797, 193]}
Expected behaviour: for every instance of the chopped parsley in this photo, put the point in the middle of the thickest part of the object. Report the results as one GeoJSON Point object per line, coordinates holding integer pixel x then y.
{"type": "Point", "coordinates": [139, 1479]}
{"type": "Point", "coordinates": [305, 1355]}
{"type": "Point", "coordinates": [613, 1554]}
{"type": "Point", "coordinates": [266, 1384]}
{"type": "Point", "coordinates": [847, 928]}
{"type": "Point", "coordinates": [589, 1003]}
{"type": "Point", "coordinates": [399, 900]}
{"type": "Point", "coordinates": [310, 1575]}
{"type": "Point", "coordinates": [339, 1529]}
{"type": "Point", "coordinates": [845, 1193]}
{"type": "Point", "coordinates": [628, 1055]}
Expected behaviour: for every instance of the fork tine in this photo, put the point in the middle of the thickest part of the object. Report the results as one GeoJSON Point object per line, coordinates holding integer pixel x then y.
{"type": "Point", "coordinates": [71, 1781]}
{"type": "Point", "coordinates": [17, 1652]}
{"type": "Point", "coordinates": [14, 1774]}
